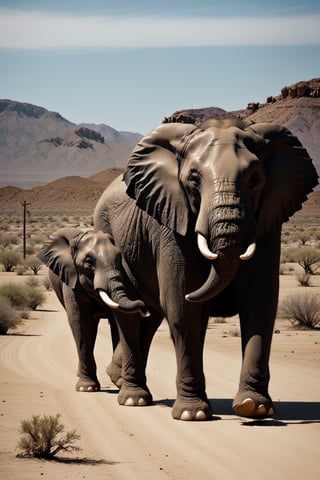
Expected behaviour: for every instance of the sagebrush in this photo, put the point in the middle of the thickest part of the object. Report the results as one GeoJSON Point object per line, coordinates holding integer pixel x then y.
{"type": "Point", "coordinates": [301, 310]}
{"type": "Point", "coordinates": [9, 318]}
{"type": "Point", "coordinates": [44, 437]}
{"type": "Point", "coordinates": [22, 296]}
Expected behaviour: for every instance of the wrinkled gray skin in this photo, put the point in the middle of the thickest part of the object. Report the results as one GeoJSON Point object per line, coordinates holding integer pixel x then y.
{"type": "Point", "coordinates": [82, 264]}
{"type": "Point", "coordinates": [235, 185]}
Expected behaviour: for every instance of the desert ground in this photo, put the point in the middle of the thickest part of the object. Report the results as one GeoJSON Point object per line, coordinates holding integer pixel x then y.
{"type": "Point", "coordinates": [38, 376]}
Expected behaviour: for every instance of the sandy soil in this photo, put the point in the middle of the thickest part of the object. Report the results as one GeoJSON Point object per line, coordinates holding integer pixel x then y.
{"type": "Point", "coordinates": [38, 364]}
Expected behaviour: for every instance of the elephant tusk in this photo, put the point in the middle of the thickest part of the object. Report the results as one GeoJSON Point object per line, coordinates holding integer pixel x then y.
{"type": "Point", "coordinates": [204, 249]}
{"type": "Point", "coordinates": [107, 300]}
{"type": "Point", "coordinates": [249, 252]}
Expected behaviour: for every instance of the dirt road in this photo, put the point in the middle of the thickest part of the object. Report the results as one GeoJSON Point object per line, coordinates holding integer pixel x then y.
{"type": "Point", "coordinates": [37, 376]}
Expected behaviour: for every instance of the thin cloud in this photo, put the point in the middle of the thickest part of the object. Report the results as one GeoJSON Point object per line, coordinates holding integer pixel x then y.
{"type": "Point", "coordinates": [44, 30]}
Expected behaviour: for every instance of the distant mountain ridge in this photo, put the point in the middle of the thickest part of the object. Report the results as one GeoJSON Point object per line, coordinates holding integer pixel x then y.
{"type": "Point", "coordinates": [37, 145]}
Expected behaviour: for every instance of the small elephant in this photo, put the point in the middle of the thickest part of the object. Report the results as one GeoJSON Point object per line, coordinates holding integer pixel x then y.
{"type": "Point", "coordinates": [85, 270]}
{"type": "Point", "coordinates": [202, 206]}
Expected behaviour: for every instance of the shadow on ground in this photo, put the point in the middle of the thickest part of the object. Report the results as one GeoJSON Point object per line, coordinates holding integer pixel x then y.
{"type": "Point", "coordinates": [286, 413]}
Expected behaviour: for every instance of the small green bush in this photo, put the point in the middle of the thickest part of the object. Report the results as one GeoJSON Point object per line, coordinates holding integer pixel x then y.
{"type": "Point", "coordinates": [301, 310]}
{"type": "Point", "coordinates": [22, 296]}
{"type": "Point", "coordinates": [35, 297]}
{"type": "Point", "coordinates": [7, 239]}
{"type": "Point", "coordinates": [33, 264]}
{"type": "Point", "coordinates": [42, 437]}
{"type": "Point", "coordinates": [21, 270]}
{"type": "Point", "coordinates": [32, 281]}
{"type": "Point", "coordinates": [307, 257]}
{"type": "Point", "coordinates": [15, 294]}
{"type": "Point", "coordinates": [9, 318]}
{"type": "Point", "coordinates": [10, 259]}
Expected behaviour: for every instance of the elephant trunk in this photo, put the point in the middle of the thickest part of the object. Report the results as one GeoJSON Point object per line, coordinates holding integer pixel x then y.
{"type": "Point", "coordinates": [110, 287]}
{"type": "Point", "coordinates": [224, 239]}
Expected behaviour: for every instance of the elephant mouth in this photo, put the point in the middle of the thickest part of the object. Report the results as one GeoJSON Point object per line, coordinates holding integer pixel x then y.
{"type": "Point", "coordinates": [207, 253]}
{"type": "Point", "coordinates": [220, 275]}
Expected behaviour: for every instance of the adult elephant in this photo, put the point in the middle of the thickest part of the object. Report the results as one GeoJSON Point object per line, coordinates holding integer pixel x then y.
{"type": "Point", "coordinates": [198, 221]}
{"type": "Point", "coordinates": [86, 273]}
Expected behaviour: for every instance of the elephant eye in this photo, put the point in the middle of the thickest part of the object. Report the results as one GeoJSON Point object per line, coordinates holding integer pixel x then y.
{"type": "Point", "coordinates": [254, 145]}
{"type": "Point", "coordinates": [90, 262]}
{"type": "Point", "coordinates": [193, 185]}
{"type": "Point", "coordinates": [194, 178]}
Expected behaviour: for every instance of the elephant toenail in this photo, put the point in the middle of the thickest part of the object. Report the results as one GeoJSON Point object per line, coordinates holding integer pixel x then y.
{"type": "Point", "coordinates": [200, 415]}
{"type": "Point", "coordinates": [261, 409]}
{"type": "Point", "coordinates": [142, 402]}
{"type": "Point", "coordinates": [81, 389]}
{"type": "Point", "coordinates": [270, 412]}
{"type": "Point", "coordinates": [246, 408]}
{"type": "Point", "coordinates": [186, 415]}
{"type": "Point", "coordinates": [248, 401]}
{"type": "Point", "coordinates": [90, 389]}
{"type": "Point", "coordinates": [129, 402]}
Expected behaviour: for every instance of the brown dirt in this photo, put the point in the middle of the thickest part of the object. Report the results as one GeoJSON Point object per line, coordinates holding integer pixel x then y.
{"type": "Point", "coordinates": [70, 193]}
{"type": "Point", "coordinates": [38, 365]}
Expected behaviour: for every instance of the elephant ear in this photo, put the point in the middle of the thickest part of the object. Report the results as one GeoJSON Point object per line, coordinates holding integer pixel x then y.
{"type": "Point", "coordinates": [290, 175]}
{"type": "Point", "coordinates": [57, 254]}
{"type": "Point", "coordinates": [152, 175]}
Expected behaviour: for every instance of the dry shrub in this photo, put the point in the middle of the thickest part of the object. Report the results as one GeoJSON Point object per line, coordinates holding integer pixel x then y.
{"type": "Point", "coordinates": [44, 437]}
{"type": "Point", "coordinates": [9, 318]}
{"type": "Point", "coordinates": [33, 281]}
{"type": "Point", "coordinates": [10, 259]}
{"type": "Point", "coordinates": [307, 257]}
{"type": "Point", "coordinates": [22, 296]}
{"type": "Point", "coordinates": [301, 310]}
{"type": "Point", "coordinates": [33, 264]}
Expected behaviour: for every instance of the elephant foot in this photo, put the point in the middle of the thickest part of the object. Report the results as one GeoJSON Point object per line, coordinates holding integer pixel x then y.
{"type": "Point", "coordinates": [134, 397]}
{"type": "Point", "coordinates": [87, 385]}
{"type": "Point", "coordinates": [191, 410]}
{"type": "Point", "coordinates": [253, 405]}
{"type": "Point", "coordinates": [114, 372]}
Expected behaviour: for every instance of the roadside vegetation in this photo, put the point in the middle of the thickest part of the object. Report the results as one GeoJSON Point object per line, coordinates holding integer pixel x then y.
{"type": "Point", "coordinates": [18, 299]}
{"type": "Point", "coordinates": [302, 311]}
{"type": "Point", "coordinates": [44, 437]}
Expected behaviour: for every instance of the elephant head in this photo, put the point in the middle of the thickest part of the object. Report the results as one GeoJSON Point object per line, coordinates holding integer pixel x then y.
{"type": "Point", "coordinates": [90, 259]}
{"type": "Point", "coordinates": [226, 181]}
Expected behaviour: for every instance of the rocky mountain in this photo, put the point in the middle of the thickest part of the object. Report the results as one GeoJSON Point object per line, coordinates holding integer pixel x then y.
{"type": "Point", "coordinates": [37, 145]}
{"type": "Point", "coordinates": [297, 107]}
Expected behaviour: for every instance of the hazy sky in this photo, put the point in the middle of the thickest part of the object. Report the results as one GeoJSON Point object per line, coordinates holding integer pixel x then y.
{"type": "Point", "coordinates": [130, 63]}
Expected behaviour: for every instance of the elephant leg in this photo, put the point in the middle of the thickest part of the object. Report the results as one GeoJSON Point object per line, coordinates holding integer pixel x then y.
{"type": "Point", "coordinates": [258, 288]}
{"type": "Point", "coordinates": [187, 322]}
{"type": "Point", "coordinates": [188, 338]}
{"type": "Point", "coordinates": [84, 326]}
{"type": "Point", "coordinates": [115, 366]}
{"type": "Point", "coordinates": [114, 369]}
{"type": "Point", "coordinates": [147, 330]}
{"type": "Point", "coordinates": [134, 390]}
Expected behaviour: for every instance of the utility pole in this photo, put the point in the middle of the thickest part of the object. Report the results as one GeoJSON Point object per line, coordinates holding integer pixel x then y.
{"type": "Point", "coordinates": [25, 204]}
